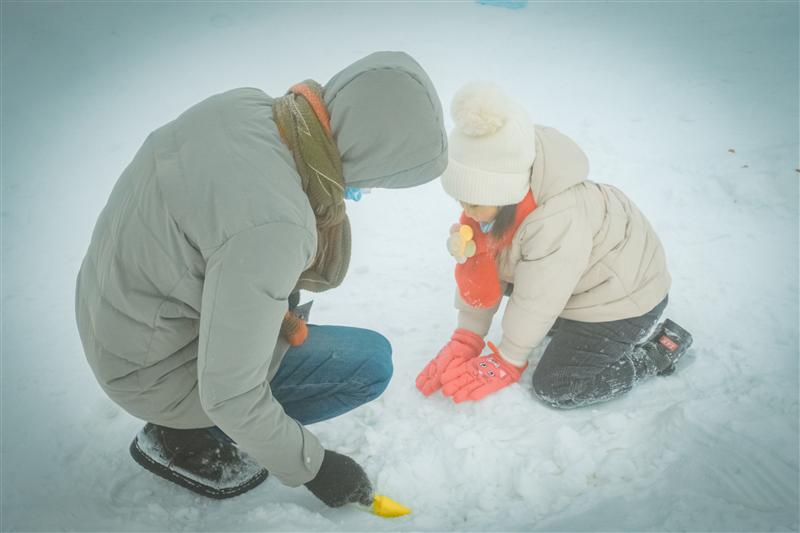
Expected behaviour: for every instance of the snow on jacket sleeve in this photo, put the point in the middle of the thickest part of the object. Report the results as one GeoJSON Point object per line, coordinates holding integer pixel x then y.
{"type": "Point", "coordinates": [248, 280]}
{"type": "Point", "coordinates": [555, 252]}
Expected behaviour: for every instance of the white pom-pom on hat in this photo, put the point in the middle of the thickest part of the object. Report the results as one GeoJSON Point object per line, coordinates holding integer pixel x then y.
{"type": "Point", "coordinates": [491, 149]}
{"type": "Point", "coordinates": [480, 108]}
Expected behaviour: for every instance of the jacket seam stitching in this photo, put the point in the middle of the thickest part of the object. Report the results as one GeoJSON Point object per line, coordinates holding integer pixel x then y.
{"type": "Point", "coordinates": [208, 338]}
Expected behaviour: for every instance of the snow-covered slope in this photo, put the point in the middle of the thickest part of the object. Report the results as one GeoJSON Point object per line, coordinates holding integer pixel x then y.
{"type": "Point", "coordinates": [691, 109]}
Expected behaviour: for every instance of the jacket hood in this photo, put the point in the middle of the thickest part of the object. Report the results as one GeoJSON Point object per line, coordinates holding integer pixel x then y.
{"type": "Point", "coordinates": [387, 121]}
{"type": "Point", "coordinates": [559, 164]}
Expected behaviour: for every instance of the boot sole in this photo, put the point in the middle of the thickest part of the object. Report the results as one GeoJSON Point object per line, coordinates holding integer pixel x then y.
{"type": "Point", "coordinates": [219, 493]}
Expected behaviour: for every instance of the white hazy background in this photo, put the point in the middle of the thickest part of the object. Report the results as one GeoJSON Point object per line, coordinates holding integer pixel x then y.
{"type": "Point", "coordinates": [690, 108]}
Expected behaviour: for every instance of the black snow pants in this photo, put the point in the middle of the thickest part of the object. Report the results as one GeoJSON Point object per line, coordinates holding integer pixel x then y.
{"type": "Point", "coordinates": [587, 363]}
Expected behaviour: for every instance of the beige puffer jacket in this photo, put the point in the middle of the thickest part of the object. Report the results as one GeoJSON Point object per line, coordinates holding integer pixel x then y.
{"type": "Point", "coordinates": [585, 253]}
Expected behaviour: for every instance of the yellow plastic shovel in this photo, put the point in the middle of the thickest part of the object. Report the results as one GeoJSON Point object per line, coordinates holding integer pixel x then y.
{"type": "Point", "coordinates": [385, 507]}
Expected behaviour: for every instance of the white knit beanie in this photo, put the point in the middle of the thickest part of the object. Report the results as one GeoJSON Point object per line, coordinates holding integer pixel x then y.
{"type": "Point", "coordinates": [491, 148]}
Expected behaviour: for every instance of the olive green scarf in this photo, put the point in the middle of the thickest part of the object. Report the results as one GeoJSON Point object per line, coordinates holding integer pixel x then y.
{"type": "Point", "coordinates": [304, 126]}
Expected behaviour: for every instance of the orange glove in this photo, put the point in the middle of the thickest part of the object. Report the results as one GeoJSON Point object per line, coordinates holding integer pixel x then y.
{"type": "Point", "coordinates": [463, 346]}
{"type": "Point", "coordinates": [294, 329]}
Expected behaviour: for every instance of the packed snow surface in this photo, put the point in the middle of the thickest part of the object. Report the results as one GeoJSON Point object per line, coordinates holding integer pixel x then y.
{"type": "Point", "coordinates": [690, 108]}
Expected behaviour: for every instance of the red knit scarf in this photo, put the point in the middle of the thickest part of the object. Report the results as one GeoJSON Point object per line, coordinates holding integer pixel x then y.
{"type": "Point", "coordinates": [477, 278]}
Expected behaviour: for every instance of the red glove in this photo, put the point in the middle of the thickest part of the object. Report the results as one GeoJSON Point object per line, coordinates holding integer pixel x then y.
{"type": "Point", "coordinates": [475, 378]}
{"type": "Point", "coordinates": [463, 346]}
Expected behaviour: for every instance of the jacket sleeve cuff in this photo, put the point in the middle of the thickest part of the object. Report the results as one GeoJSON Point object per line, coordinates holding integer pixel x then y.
{"type": "Point", "coordinates": [308, 461]}
{"type": "Point", "coordinates": [475, 319]}
{"type": "Point", "coordinates": [312, 455]}
{"type": "Point", "coordinates": [474, 322]}
{"type": "Point", "coordinates": [513, 353]}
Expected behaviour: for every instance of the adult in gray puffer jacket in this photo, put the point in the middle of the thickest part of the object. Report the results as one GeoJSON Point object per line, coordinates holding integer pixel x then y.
{"type": "Point", "coordinates": [201, 248]}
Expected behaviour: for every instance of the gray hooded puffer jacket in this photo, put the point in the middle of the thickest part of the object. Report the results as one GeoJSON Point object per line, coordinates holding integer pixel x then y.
{"type": "Point", "coordinates": [183, 289]}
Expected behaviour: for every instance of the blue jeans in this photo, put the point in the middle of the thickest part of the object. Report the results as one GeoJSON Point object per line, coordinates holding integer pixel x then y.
{"type": "Point", "coordinates": [335, 370]}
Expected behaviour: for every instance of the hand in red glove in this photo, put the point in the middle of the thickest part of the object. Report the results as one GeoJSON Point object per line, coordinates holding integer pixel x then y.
{"type": "Point", "coordinates": [475, 378]}
{"type": "Point", "coordinates": [463, 345]}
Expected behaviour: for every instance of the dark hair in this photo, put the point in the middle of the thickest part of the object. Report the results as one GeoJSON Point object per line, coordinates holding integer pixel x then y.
{"type": "Point", "coordinates": [503, 220]}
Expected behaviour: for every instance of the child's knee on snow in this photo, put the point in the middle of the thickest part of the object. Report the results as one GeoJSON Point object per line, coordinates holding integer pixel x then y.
{"type": "Point", "coordinates": [559, 394]}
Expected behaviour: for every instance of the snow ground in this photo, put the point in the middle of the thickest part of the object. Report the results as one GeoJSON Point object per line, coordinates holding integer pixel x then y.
{"type": "Point", "coordinates": [656, 93]}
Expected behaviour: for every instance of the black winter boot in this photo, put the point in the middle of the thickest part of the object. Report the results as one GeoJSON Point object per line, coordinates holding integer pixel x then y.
{"type": "Point", "coordinates": [203, 460]}
{"type": "Point", "coordinates": [666, 346]}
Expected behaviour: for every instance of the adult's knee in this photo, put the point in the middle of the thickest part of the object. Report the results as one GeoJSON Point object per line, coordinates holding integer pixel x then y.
{"type": "Point", "coordinates": [376, 370]}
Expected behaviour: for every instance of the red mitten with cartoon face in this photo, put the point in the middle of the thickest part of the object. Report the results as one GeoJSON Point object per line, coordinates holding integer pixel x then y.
{"type": "Point", "coordinates": [478, 377]}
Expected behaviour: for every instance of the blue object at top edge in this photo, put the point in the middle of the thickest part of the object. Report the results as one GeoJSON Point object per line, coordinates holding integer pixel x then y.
{"type": "Point", "coordinates": [508, 4]}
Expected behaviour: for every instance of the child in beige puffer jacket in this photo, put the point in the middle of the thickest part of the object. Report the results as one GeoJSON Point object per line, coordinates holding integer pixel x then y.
{"type": "Point", "coordinates": [571, 253]}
